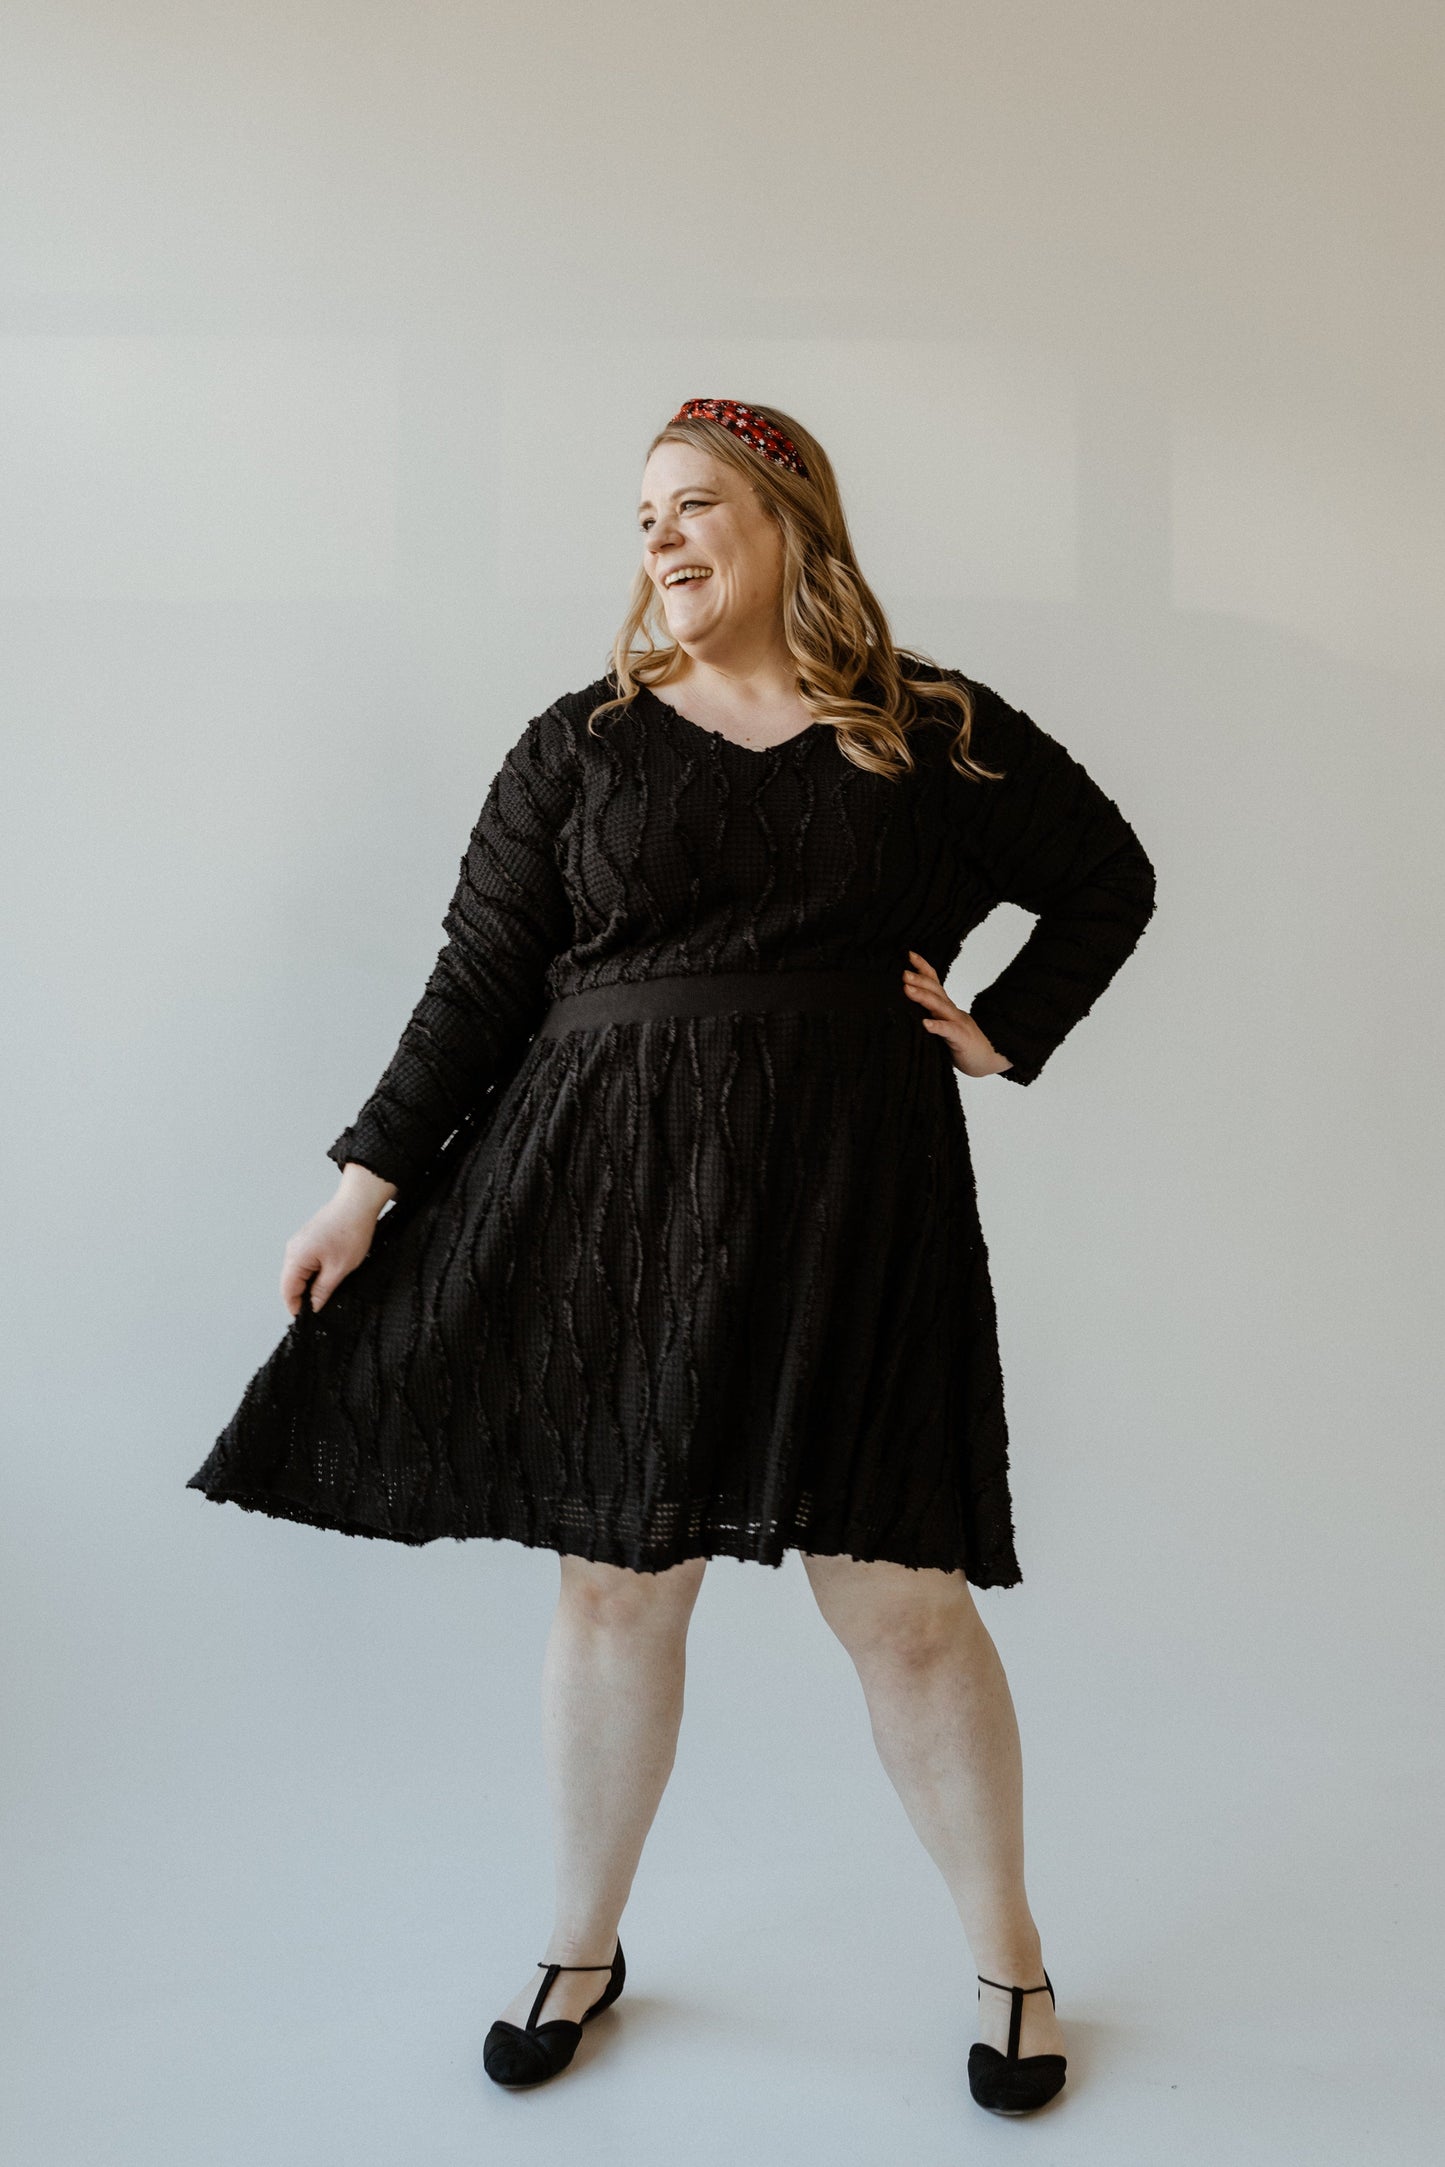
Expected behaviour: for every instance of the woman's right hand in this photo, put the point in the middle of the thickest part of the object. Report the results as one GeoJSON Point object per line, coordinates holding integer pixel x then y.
{"type": "Point", "coordinates": [335, 1239]}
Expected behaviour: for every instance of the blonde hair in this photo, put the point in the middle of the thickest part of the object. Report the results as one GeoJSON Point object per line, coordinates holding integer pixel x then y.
{"type": "Point", "coordinates": [833, 622]}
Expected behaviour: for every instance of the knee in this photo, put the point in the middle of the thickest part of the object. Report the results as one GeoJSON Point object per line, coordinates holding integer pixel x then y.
{"type": "Point", "coordinates": [910, 1637]}
{"type": "Point", "coordinates": [614, 1599]}
{"type": "Point", "coordinates": [905, 1620]}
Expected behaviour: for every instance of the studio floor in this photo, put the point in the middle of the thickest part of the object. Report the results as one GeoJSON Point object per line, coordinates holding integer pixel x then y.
{"type": "Point", "coordinates": [275, 1929]}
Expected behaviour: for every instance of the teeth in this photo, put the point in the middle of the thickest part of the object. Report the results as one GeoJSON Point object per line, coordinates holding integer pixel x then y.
{"type": "Point", "coordinates": [675, 579]}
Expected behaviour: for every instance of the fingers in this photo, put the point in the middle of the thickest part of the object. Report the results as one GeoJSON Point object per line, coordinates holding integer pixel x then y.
{"type": "Point", "coordinates": [921, 972]}
{"type": "Point", "coordinates": [921, 984]}
{"type": "Point", "coordinates": [323, 1286]}
{"type": "Point", "coordinates": [301, 1268]}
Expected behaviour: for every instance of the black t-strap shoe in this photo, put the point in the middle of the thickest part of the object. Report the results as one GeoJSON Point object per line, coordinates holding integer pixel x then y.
{"type": "Point", "coordinates": [1008, 2083]}
{"type": "Point", "coordinates": [529, 2053]}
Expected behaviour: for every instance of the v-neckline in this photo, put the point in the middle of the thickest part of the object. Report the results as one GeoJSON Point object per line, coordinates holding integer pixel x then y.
{"type": "Point", "coordinates": [718, 737]}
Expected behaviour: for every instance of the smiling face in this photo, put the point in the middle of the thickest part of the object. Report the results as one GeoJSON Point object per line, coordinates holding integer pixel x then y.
{"type": "Point", "coordinates": [699, 515]}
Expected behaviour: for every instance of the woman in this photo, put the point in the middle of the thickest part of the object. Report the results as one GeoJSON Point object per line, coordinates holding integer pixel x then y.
{"type": "Point", "coordinates": [684, 1257]}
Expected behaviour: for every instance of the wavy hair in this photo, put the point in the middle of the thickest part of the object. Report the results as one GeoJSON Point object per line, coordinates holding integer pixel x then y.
{"type": "Point", "coordinates": [835, 626]}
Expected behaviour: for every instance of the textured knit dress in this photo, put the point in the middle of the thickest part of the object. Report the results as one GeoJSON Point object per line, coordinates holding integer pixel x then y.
{"type": "Point", "coordinates": [685, 1258]}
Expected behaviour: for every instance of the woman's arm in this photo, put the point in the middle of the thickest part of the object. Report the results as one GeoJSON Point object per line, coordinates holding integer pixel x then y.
{"type": "Point", "coordinates": [508, 918]}
{"type": "Point", "coordinates": [1049, 839]}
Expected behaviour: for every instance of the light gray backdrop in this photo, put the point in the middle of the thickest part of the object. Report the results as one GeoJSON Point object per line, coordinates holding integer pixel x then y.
{"type": "Point", "coordinates": [333, 336]}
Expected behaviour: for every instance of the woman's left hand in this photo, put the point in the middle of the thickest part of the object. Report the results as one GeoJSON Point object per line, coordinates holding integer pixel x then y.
{"type": "Point", "coordinates": [971, 1051]}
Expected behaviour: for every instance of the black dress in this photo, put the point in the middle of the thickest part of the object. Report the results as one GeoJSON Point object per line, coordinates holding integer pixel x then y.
{"type": "Point", "coordinates": [660, 1284]}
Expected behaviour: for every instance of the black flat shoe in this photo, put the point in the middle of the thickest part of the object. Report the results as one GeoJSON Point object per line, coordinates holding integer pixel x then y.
{"type": "Point", "coordinates": [1006, 2083]}
{"type": "Point", "coordinates": [529, 2053]}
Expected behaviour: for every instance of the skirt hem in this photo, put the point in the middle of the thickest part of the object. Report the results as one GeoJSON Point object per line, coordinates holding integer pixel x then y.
{"type": "Point", "coordinates": [603, 1550]}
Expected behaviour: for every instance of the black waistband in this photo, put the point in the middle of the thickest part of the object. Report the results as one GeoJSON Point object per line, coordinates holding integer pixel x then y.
{"type": "Point", "coordinates": [717, 993]}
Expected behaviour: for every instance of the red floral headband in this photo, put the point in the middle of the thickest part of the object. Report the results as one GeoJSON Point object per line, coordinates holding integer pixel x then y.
{"type": "Point", "coordinates": [745, 421]}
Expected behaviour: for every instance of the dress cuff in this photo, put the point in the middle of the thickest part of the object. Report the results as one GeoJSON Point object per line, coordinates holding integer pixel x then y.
{"type": "Point", "coordinates": [1024, 1061]}
{"type": "Point", "coordinates": [355, 1148]}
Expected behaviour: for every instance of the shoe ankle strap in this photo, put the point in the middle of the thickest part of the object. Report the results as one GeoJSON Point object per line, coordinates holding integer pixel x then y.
{"type": "Point", "coordinates": [1016, 2007]}
{"type": "Point", "coordinates": [548, 1965]}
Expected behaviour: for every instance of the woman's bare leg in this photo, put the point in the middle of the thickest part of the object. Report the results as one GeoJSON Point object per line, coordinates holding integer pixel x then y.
{"type": "Point", "coordinates": [612, 1692]}
{"type": "Point", "coordinates": [944, 1724]}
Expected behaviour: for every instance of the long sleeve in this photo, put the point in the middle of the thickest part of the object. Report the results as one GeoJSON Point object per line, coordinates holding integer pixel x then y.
{"type": "Point", "coordinates": [1049, 839]}
{"type": "Point", "coordinates": [508, 918]}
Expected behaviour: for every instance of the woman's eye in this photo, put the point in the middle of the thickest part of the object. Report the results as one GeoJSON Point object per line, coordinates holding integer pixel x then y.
{"type": "Point", "coordinates": [644, 524]}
